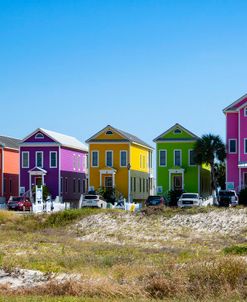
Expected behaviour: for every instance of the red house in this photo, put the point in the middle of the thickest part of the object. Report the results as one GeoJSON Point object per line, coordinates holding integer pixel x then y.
{"type": "Point", "coordinates": [9, 167]}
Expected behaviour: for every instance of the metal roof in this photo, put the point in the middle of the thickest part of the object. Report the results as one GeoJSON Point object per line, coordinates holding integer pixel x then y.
{"type": "Point", "coordinates": [10, 142]}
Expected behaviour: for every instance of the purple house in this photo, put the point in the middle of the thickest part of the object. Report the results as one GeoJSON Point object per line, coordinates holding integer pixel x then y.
{"type": "Point", "coordinates": [55, 160]}
{"type": "Point", "coordinates": [236, 139]}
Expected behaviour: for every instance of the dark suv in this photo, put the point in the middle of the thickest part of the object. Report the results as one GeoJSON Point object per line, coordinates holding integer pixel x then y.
{"type": "Point", "coordinates": [155, 201]}
{"type": "Point", "coordinates": [228, 198]}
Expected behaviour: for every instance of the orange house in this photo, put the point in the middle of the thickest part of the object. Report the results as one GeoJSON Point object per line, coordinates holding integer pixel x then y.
{"type": "Point", "coordinates": [9, 167]}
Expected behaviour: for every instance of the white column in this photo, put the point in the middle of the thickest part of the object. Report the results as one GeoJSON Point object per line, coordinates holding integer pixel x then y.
{"type": "Point", "coordinates": [30, 185]}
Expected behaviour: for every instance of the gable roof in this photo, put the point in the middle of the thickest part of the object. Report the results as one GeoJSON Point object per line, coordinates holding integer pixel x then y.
{"type": "Point", "coordinates": [10, 142]}
{"type": "Point", "coordinates": [62, 139]}
{"type": "Point", "coordinates": [235, 105]}
{"type": "Point", "coordinates": [128, 136]}
{"type": "Point", "coordinates": [177, 125]}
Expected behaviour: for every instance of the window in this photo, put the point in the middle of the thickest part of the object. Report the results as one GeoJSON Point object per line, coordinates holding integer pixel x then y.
{"type": "Point", "coordinates": [109, 132]}
{"type": "Point", "coordinates": [25, 159]}
{"type": "Point", "coordinates": [177, 131]}
{"type": "Point", "coordinates": [245, 145]}
{"type": "Point", "coordinates": [39, 136]}
{"type": "Point", "coordinates": [53, 159]}
{"type": "Point", "coordinates": [245, 111]}
{"type": "Point", "coordinates": [79, 185]}
{"type": "Point", "coordinates": [177, 158]}
{"type": "Point", "coordinates": [10, 186]}
{"type": "Point", "coordinates": [140, 183]}
{"type": "Point", "coordinates": [147, 185]}
{"type": "Point", "coordinates": [66, 185]}
{"type": "Point", "coordinates": [84, 186]}
{"type": "Point", "coordinates": [140, 160]}
{"type": "Point", "coordinates": [39, 159]}
{"type": "Point", "coordinates": [143, 186]}
{"type": "Point", "coordinates": [74, 162]}
{"type": "Point", "coordinates": [162, 158]}
{"type": "Point", "coordinates": [86, 162]}
{"type": "Point", "coordinates": [61, 185]}
{"type": "Point", "coordinates": [5, 185]}
{"type": "Point", "coordinates": [123, 158]}
{"type": "Point", "coordinates": [74, 186]}
{"type": "Point", "coordinates": [131, 184]}
{"type": "Point", "coordinates": [192, 158]}
{"type": "Point", "coordinates": [95, 158]}
{"type": "Point", "coordinates": [232, 146]}
{"type": "Point", "coordinates": [79, 162]}
{"type": "Point", "coordinates": [109, 159]}
{"type": "Point", "coordinates": [144, 162]}
{"type": "Point", "coordinates": [134, 184]}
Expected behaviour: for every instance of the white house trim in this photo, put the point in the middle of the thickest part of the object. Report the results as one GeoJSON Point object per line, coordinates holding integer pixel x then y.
{"type": "Point", "coordinates": [159, 158]}
{"type": "Point", "coordinates": [176, 171]}
{"type": "Point", "coordinates": [120, 157]}
{"type": "Point", "coordinates": [174, 158]}
{"type": "Point", "coordinates": [22, 160]}
{"type": "Point", "coordinates": [94, 151]}
{"type": "Point", "coordinates": [36, 153]}
{"type": "Point", "coordinates": [50, 153]}
{"type": "Point", "coordinates": [109, 151]}
{"type": "Point", "coordinates": [229, 145]}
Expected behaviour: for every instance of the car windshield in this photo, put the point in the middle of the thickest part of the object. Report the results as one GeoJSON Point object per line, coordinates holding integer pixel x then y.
{"type": "Point", "coordinates": [154, 202]}
{"type": "Point", "coordinates": [14, 199]}
{"type": "Point", "coordinates": [189, 196]}
{"type": "Point", "coordinates": [226, 193]}
{"type": "Point", "coordinates": [91, 197]}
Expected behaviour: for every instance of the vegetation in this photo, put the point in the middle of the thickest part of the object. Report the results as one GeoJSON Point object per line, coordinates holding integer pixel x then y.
{"type": "Point", "coordinates": [209, 149]}
{"type": "Point", "coordinates": [187, 269]}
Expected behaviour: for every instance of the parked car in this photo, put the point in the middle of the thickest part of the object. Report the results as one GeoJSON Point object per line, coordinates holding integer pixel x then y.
{"type": "Point", "coordinates": [189, 200]}
{"type": "Point", "coordinates": [227, 198]}
{"type": "Point", "coordinates": [19, 203]}
{"type": "Point", "coordinates": [94, 201]}
{"type": "Point", "coordinates": [155, 201]}
{"type": "Point", "coordinates": [3, 204]}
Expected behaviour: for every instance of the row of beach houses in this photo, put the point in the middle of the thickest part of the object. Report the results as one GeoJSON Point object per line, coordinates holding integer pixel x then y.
{"type": "Point", "coordinates": [113, 158]}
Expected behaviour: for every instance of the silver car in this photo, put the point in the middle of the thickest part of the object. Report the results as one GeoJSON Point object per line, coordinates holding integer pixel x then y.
{"type": "Point", "coordinates": [190, 200]}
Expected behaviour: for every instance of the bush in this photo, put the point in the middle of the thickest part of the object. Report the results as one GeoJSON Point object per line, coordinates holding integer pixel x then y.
{"type": "Point", "coordinates": [236, 250]}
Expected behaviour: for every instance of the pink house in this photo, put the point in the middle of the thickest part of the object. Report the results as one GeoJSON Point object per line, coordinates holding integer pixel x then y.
{"type": "Point", "coordinates": [236, 140]}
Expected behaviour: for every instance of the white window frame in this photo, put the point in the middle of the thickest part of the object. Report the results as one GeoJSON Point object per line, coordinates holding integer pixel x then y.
{"type": "Point", "coordinates": [174, 157]}
{"type": "Point", "coordinates": [41, 137]}
{"type": "Point", "coordinates": [161, 150]}
{"type": "Point", "coordinates": [141, 161]}
{"type": "Point", "coordinates": [55, 152]}
{"type": "Point", "coordinates": [110, 151]}
{"type": "Point", "coordinates": [94, 151]}
{"type": "Point", "coordinates": [22, 160]}
{"type": "Point", "coordinates": [245, 111]}
{"type": "Point", "coordinates": [229, 145]}
{"type": "Point", "coordinates": [126, 152]}
{"type": "Point", "coordinates": [36, 153]}
{"type": "Point", "coordinates": [245, 145]}
{"type": "Point", "coordinates": [190, 159]}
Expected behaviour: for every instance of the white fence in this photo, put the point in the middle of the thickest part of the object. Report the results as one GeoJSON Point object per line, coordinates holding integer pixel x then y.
{"type": "Point", "coordinates": [49, 206]}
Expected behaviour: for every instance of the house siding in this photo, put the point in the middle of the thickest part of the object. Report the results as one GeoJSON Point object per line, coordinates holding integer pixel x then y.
{"type": "Point", "coordinates": [10, 172]}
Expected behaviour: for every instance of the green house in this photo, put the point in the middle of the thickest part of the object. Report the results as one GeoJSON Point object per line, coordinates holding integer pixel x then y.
{"type": "Point", "coordinates": [176, 168]}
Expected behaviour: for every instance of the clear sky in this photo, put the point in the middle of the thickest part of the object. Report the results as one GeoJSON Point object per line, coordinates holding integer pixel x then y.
{"type": "Point", "coordinates": [140, 65]}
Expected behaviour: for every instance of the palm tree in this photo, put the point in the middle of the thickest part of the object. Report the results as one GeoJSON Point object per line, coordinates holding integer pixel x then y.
{"type": "Point", "coordinates": [210, 149]}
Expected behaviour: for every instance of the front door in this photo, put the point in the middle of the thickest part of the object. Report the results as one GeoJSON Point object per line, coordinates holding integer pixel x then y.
{"type": "Point", "coordinates": [108, 182]}
{"type": "Point", "coordinates": [177, 183]}
{"type": "Point", "coordinates": [38, 181]}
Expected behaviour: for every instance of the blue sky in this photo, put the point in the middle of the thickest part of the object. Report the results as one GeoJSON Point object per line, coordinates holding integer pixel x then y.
{"type": "Point", "coordinates": [143, 65]}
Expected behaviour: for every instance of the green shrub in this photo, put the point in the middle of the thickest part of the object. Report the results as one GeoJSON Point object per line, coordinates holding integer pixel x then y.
{"type": "Point", "coordinates": [236, 250]}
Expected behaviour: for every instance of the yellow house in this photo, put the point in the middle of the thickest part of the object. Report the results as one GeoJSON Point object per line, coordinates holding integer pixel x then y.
{"type": "Point", "coordinates": [122, 161]}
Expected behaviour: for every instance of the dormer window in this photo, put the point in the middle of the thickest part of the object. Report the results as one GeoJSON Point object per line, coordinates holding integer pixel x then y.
{"type": "Point", "coordinates": [39, 136]}
{"type": "Point", "coordinates": [177, 131]}
{"type": "Point", "coordinates": [245, 111]}
{"type": "Point", "coordinates": [109, 132]}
